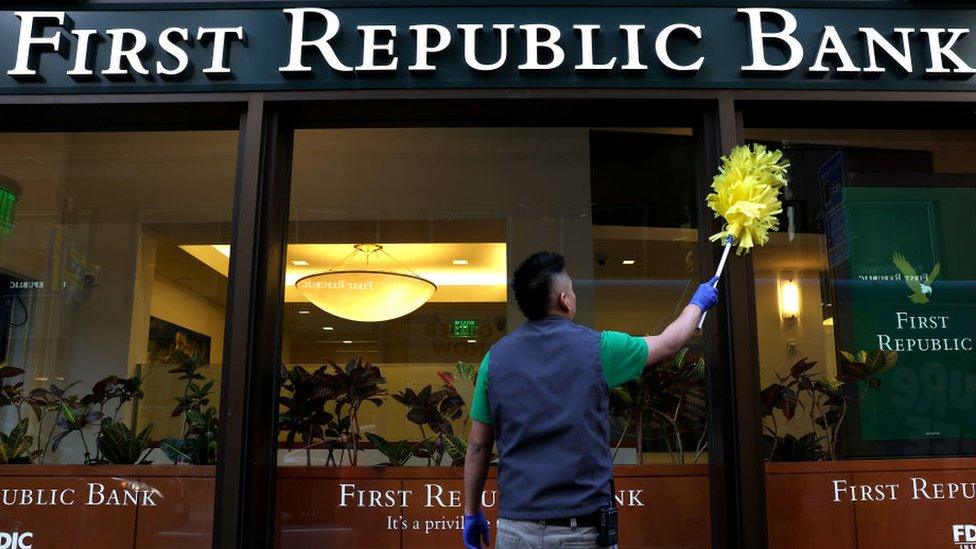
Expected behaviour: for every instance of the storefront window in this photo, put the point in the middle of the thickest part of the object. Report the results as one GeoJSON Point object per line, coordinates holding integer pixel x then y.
{"type": "Point", "coordinates": [427, 226]}
{"type": "Point", "coordinates": [864, 314]}
{"type": "Point", "coordinates": [112, 332]}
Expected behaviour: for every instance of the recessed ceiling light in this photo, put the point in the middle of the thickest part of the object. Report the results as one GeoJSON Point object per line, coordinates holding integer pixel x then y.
{"type": "Point", "coordinates": [628, 261]}
{"type": "Point", "coordinates": [460, 262]}
{"type": "Point", "coordinates": [328, 328]}
{"type": "Point", "coordinates": [299, 263]}
{"type": "Point", "coordinates": [347, 341]}
{"type": "Point", "coordinates": [472, 341]}
{"type": "Point", "coordinates": [304, 312]}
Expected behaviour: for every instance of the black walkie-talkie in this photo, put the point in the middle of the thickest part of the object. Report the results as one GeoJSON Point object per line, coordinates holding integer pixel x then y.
{"type": "Point", "coordinates": [608, 521]}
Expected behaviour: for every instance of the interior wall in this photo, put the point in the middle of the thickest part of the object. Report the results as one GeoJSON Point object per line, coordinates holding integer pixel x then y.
{"type": "Point", "coordinates": [171, 302]}
{"type": "Point", "coordinates": [784, 341]}
{"type": "Point", "coordinates": [84, 198]}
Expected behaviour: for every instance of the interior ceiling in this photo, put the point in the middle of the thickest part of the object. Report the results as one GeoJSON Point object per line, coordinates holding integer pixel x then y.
{"type": "Point", "coordinates": [187, 271]}
{"type": "Point", "coordinates": [479, 276]}
{"type": "Point", "coordinates": [656, 252]}
{"type": "Point", "coordinates": [801, 252]}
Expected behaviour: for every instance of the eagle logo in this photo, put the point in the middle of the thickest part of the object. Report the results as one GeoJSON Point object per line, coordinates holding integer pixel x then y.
{"type": "Point", "coordinates": [921, 290]}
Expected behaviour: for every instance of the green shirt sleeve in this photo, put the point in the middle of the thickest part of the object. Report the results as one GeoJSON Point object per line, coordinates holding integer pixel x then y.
{"type": "Point", "coordinates": [479, 400]}
{"type": "Point", "coordinates": [622, 356]}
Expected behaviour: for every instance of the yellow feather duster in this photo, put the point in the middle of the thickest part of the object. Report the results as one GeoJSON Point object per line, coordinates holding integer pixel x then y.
{"type": "Point", "coordinates": [746, 194]}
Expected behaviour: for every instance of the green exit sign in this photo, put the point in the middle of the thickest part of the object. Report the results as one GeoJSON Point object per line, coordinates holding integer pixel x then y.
{"type": "Point", "coordinates": [465, 328]}
{"type": "Point", "coordinates": [8, 199]}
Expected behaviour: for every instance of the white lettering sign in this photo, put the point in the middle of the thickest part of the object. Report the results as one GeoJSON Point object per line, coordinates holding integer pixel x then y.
{"type": "Point", "coordinates": [95, 494]}
{"type": "Point", "coordinates": [317, 37]}
{"type": "Point", "coordinates": [16, 540]}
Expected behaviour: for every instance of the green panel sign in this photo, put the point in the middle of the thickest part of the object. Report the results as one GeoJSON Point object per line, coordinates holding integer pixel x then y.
{"type": "Point", "coordinates": [911, 270]}
{"type": "Point", "coordinates": [465, 328]}
{"type": "Point", "coordinates": [8, 199]}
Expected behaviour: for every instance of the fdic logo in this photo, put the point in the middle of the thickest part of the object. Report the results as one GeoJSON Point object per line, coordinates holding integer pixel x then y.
{"type": "Point", "coordinates": [16, 540]}
{"type": "Point", "coordinates": [964, 535]}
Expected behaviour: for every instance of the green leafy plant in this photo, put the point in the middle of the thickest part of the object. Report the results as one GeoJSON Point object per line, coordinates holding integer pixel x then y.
{"type": "Point", "coordinates": [865, 366]}
{"type": "Point", "coordinates": [467, 371]}
{"type": "Point", "coordinates": [189, 364]}
{"type": "Point", "coordinates": [199, 445]}
{"type": "Point", "coordinates": [17, 446]}
{"type": "Point", "coordinates": [666, 406]}
{"type": "Point", "coordinates": [113, 388]}
{"type": "Point", "coordinates": [117, 444]}
{"type": "Point", "coordinates": [790, 448]}
{"type": "Point", "coordinates": [195, 397]}
{"type": "Point", "coordinates": [629, 403]}
{"type": "Point", "coordinates": [825, 402]}
{"type": "Point", "coordinates": [72, 414]}
{"type": "Point", "coordinates": [75, 419]}
{"type": "Point", "coordinates": [304, 406]}
{"type": "Point", "coordinates": [338, 435]}
{"type": "Point", "coordinates": [110, 392]}
{"type": "Point", "coordinates": [353, 386]}
{"type": "Point", "coordinates": [50, 400]}
{"type": "Point", "coordinates": [11, 394]}
{"type": "Point", "coordinates": [435, 410]}
{"type": "Point", "coordinates": [397, 453]}
{"type": "Point", "coordinates": [457, 449]}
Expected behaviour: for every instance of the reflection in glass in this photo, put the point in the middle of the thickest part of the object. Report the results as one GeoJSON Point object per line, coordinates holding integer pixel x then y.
{"type": "Point", "coordinates": [112, 333]}
{"type": "Point", "coordinates": [461, 207]}
{"type": "Point", "coordinates": [867, 356]}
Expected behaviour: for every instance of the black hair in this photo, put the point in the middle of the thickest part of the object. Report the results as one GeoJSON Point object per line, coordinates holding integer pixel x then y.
{"type": "Point", "coordinates": [532, 282]}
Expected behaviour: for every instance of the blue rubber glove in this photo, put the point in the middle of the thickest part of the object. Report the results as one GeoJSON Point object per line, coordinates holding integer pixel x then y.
{"type": "Point", "coordinates": [475, 531]}
{"type": "Point", "coordinates": [705, 297]}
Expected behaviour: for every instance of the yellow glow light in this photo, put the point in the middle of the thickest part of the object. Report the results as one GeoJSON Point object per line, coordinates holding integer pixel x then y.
{"type": "Point", "coordinates": [482, 280]}
{"type": "Point", "coordinates": [366, 296]}
{"type": "Point", "coordinates": [373, 292]}
{"type": "Point", "coordinates": [789, 299]}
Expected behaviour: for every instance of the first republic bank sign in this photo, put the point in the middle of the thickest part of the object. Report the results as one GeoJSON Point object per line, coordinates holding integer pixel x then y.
{"type": "Point", "coordinates": [175, 48]}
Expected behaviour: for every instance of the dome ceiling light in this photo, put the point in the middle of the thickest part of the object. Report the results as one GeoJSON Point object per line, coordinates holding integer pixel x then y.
{"type": "Point", "coordinates": [369, 285]}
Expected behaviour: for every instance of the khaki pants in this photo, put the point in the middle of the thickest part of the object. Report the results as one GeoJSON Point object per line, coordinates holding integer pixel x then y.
{"type": "Point", "coordinates": [536, 534]}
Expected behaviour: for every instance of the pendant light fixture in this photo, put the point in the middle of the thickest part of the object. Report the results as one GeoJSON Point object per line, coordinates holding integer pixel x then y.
{"type": "Point", "coordinates": [369, 285]}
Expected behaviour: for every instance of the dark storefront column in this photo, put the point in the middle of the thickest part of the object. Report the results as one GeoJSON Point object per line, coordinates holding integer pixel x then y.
{"type": "Point", "coordinates": [244, 514]}
{"type": "Point", "coordinates": [735, 444]}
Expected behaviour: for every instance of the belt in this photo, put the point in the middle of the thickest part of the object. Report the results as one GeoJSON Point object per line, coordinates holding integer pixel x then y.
{"type": "Point", "coordinates": [592, 519]}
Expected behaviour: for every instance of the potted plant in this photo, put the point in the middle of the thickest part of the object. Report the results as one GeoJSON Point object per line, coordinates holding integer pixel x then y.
{"type": "Point", "coordinates": [322, 406]}
{"type": "Point", "coordinates": [665, 406]}
{"type": "Point", "coordinates": [824, 401]}
{"type": "Point", "coordinates": [434, 410]}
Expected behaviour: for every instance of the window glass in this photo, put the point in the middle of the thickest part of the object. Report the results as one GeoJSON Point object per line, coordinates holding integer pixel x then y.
{"type": "Point", "coordinates": [459, 209]}
{"type": "Point", "coordinates": [865, 328]}
{"type": "Point", "coordinates": [111, 332]}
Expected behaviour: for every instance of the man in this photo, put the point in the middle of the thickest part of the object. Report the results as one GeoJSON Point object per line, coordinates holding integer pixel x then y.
{"type": "Point", "coordinates": [543, 394]}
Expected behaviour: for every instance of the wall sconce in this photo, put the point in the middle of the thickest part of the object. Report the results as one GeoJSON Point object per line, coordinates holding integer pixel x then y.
{"type": "Point", "coordinates": [789, 297]}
